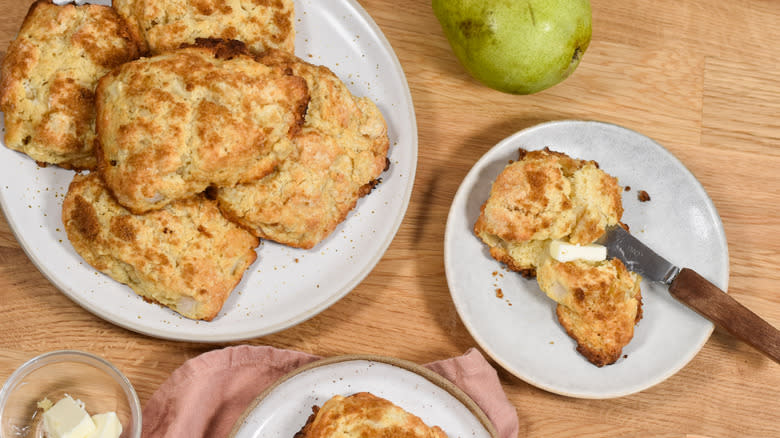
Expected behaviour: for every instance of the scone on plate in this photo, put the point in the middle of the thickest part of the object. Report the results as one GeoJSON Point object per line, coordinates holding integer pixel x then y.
{"type": "Point", "coordinates": [547, 197]}
{"type": "Point", "coordinates": [172, 125]}
{"type": "Point", "coordinates": [338, 156]}
{"type": "Point", "coordinates": [186, 256]}
{"type": "Point", "coordinates": [365, 415]}
{"type": "Point", "coordinates": [167, 24]}
{"type": "Point", "coordinates": [47, 88]}
{"type": "Point", "coordinates": [598, 304]}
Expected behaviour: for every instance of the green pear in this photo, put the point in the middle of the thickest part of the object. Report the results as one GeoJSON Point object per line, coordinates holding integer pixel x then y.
{"type": "Point", "coordinates": [517, 46]}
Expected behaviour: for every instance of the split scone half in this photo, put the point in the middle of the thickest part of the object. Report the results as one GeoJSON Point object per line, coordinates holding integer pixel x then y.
{"type": "Point", "coordinates": [171, 125]}
{"type": "Point", "coordinates": [48, 79]}
{"type": "Point", "coordinates": [365, 415]}
{"type": "Point", "coordinates": [547, 197]}
{"type": "Point", "coordinates": [186, 256]}
{"type": "Point", "coordinates": [598, 304]}
{"type": "Point", "coordinates": [167, 24]}
{"type": "Point", "coordinates": [338, 155]}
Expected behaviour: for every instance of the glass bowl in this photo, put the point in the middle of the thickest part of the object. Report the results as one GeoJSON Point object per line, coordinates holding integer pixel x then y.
{"type": "Point", "coordinates": [83, 376]}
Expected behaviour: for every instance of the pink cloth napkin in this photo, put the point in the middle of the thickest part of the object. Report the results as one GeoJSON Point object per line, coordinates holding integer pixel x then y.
{"type": "Point", "coordinates": [208, 393]}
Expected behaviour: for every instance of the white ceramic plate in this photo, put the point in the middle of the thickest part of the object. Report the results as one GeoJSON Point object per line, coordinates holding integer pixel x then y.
{"type": "Point", "coordinates": [284, 408]}
{"type": "Point", "coordinates": [285, 286]}
{"type": "Point", "coordinates": [521, 332]}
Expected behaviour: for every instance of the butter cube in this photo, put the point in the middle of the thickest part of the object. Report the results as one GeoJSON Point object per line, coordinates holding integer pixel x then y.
{"type": "Point", "coordinates": [566, 252]}
{"type": "Point", "coordinates": [68, 419]}
{"type": "Point", "coordinates": [106, 426]}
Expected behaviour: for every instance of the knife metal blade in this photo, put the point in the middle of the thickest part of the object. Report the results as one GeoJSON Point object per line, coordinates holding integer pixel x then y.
{"type": "Point", "coordinates": [693, 290]}
{"type": "Point", "coordinates": [637, 256]}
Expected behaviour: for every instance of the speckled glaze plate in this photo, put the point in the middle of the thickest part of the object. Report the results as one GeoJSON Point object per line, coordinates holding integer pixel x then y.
{"type": "Point", "coordinates": [285, 286]}
{"type": "Point", "coordinates": [515, 322]}
{"type": "Point", "coordinates": [281, 410]}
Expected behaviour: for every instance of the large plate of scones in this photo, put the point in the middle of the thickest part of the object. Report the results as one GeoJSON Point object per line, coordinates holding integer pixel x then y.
{"type": "Point", "coordinates": [532, 285]}
{"type": "Point", "coordinates": [363, 395]}
{"type": "Point", "coordinates": [204, 171]}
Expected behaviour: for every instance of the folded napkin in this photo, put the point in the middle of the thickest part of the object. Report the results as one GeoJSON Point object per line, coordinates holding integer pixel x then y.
{"type": "Point", "coordinates": [208, 393]}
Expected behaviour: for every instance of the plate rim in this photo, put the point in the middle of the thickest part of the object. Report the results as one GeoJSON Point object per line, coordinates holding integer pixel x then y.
{"type": "Point", "coordinates": [411, 130]}
{"type": "Point", "coordinates": [483, 343]}
{"type": "Point", "coordinates": [430, 375]}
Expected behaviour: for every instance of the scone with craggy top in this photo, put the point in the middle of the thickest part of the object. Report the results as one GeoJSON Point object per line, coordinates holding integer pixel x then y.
{"type": "Point", "coordinates": [598, 304]}
{"type": "Point", "coordinates": [338, 156]}
{"type": "Point", "coordinates": [186, 256]}
{"type": "Point", "coordinates": [546, 196]}
{"type": "Point", "coordinates": [542, 196]}
{"type": "Point", "coordinates": [167, 24]}
{"type": "Point", "coordinates": [49, 74]}
{"type": "Point", "coordinates": [172, 125]}
{"type": "Point", "coordinates": [365, 415]}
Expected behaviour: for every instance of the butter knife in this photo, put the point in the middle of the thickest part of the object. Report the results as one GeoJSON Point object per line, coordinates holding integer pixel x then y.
{"type": "Point", "coordinates": [693, 290]}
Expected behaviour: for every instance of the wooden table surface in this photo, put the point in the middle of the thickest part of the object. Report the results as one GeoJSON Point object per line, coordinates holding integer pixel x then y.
{"type": "Point", "coordinates": [698, 77]}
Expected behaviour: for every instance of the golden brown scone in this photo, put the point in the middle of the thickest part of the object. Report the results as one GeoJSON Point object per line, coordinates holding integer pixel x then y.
{"type": "Point", "coordinates": [339, 154]}
{"type": "Point", "coordinates": [167, 24]}
{"type": "Point", "coordinates": [171, 125]}
{"type": "Point", "coordinates": [546, 195]}
{"type": "Point", "coordinates": [365, 415]}
{"type": "Point", "coordinates": [598, 304]}
{"type": "Point", "coordinates": [186, 256]}
{"type": "Point", "coordinates": [47, 89]}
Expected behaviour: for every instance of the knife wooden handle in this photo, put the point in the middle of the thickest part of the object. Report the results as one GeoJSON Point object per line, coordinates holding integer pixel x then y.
{"type": "Point", "coordinates": [717, 306]}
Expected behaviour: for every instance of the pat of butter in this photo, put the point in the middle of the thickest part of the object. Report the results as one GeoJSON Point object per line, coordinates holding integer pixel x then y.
{"type": "Point", "coordinates": [68, 419]}
{"type": "Point", "coordinates": [566, 252]}
{"type": "Point", "coordinates": [107, 426]}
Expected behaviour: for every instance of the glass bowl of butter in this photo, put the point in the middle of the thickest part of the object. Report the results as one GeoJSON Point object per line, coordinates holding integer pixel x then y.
{"type": "Point", "coordinates": [69, 394]}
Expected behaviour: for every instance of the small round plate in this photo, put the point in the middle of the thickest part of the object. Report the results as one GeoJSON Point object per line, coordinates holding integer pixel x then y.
{"type": "Point", "coordinates": [515, 323]}
{"type": "Point", "coordinates": [286, 285]}
{"type": "Point", "coordinates": [282, 410]}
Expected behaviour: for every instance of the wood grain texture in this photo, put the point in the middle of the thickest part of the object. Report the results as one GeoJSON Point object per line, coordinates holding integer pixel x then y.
{"type": "Point", "coordinates": [727, 313]}
{"type": "Point", "coordinates": [698, 77]}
